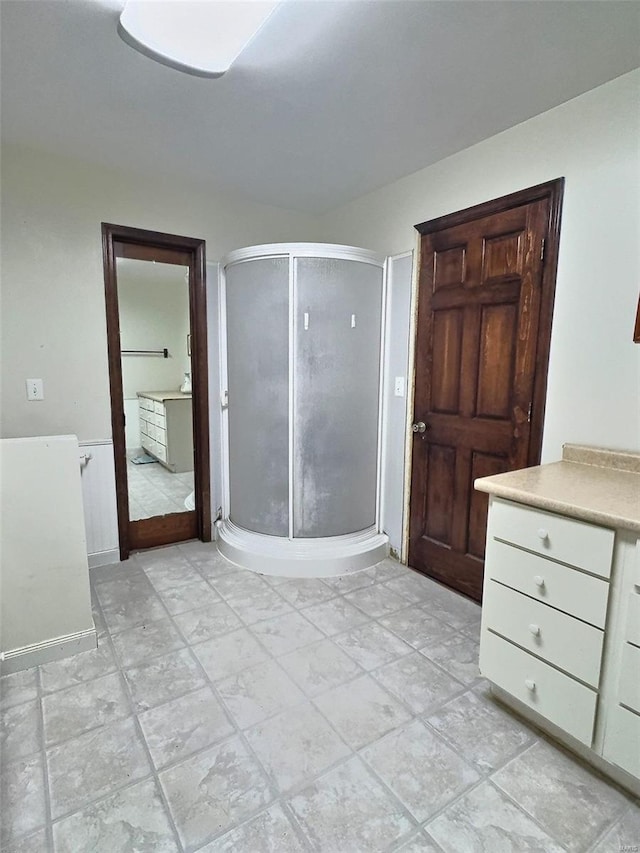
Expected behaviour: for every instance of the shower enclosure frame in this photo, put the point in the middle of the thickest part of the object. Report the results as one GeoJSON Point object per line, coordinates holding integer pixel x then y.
{"type": "Point", "coordinates": [299, 556]}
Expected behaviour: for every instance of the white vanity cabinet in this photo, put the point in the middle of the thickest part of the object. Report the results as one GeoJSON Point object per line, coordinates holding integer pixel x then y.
{"type": "Point", "coordinates": [544, 612]}
{"type": "Point", "coordinates": [560, 639]}
{"type": "Point", "coordinates": [166, 428]}
{"type": "Point", "coordinates": [621, 741]}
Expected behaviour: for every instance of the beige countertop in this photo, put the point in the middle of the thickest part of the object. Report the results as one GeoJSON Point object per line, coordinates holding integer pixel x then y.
{"type": "Point", "coordinates": [594, 490]}
{"type": "Point", "coordinates": [161, 396]}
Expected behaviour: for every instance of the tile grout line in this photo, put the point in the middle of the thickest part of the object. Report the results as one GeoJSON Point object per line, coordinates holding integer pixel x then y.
{"type": "Point", "coordinates": [293, 818]}
{"type": "Point", "coordinates": [289, 794]}
{"type": "Point", "coordinates": [420, 824]}
{"type": "Point", "coordinates": [425, 716]}
{"type": "Point", "coordinates": [451, 698]}
{"type": "Point", "coordinates": [120, 788]}
{"type": "Point", "coordinates": [295, 790]}
{"type": "Point", "coordinates": [538, 735]}
{"type": "Point", "coordinates": [609, 829]}
{"type": "Point", "coordinates": [140, 735]}
{"type": "Point", "coordinates": [466, 688]}
{"type": "Point", "coordinates": [248, 626]}
{"type": "Point", "coordinates": [283, 798]}
{"type": "Point", "coordinates": [45, 766]}
{"type": "Point", "coordinates": [237, 733]}
{"type": "Point", "coordinates": [520, 806]}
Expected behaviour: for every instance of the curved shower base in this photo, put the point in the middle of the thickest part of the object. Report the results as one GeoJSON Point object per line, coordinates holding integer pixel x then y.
{"type": "Point", "coordinates": [327, 556]}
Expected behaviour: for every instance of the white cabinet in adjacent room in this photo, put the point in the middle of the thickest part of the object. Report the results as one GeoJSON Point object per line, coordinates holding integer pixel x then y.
{"type": "Point", "coordinates": [166, 428]}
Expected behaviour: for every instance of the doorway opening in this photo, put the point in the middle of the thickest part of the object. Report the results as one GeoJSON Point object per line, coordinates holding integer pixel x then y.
{"type": "Point", "coordinates": [485, 302]}
{"type": "Point", "coordinates": [157, 349]}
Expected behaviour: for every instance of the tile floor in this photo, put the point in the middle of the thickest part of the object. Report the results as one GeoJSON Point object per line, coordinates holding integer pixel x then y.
{"type": "Point", "coordinates": [226, 711]}
{"type": "Point", "coordinates": [154, 490]}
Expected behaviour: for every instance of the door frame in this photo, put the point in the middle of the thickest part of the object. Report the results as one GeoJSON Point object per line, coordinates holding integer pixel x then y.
{"type": "Point", "coordinates": [195, 249]}
{"type": "Point", "coordinates": [553, 191]}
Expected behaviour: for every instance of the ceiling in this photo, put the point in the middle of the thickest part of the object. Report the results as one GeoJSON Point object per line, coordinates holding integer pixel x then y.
{"type": "Point", "coordinates": [330, 101]}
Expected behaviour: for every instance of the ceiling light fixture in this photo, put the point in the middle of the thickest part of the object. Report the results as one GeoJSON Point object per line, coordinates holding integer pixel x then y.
{"type": "Point", "coordinates": [201, 37]}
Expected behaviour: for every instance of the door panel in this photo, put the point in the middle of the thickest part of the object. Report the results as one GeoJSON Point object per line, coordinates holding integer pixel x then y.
{"type": "Point", "coordinates": [440, 482]}
{"type": "Point", "coordinates": [498, 326]}
{"type": "Point", "coordinates": [479, 303]}
{"type": "Point", "coordinates": [448, 267]}
{"type": "Point", "coordinates": [502, 257]}
{"type": "Point", "coordinates": [447, 335]}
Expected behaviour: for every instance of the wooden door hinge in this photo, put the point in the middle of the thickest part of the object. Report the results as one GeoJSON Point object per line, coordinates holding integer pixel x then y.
{"type": "Point", "coordinates": [542, 247]}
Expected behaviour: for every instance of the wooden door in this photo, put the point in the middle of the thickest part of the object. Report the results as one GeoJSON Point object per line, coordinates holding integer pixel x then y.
{"type": "Point", "coordinates": [484, 319]}
{"type": "Point", "coordinates": [119, 241]}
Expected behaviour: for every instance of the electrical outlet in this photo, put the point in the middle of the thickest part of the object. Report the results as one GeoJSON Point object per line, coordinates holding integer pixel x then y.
{"type": "Point", "coordinates": [35, 389]}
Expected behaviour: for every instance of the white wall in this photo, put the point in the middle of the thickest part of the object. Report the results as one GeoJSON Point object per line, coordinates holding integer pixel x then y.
{"type": "Point", "coordinates": [593, 141]}
{"type": "Point", "coordinates": [153, 315]}
{"type": "Point", "coordinates": [53, 300]}
{"type": "Point", "coordinates": [153, 307]}
{"type": "Point", "coordinates": [53, 314]}
{"type": "Point", "coordinates": [46, 606]}
{"type": "Point", "coordinates": [53, 318]}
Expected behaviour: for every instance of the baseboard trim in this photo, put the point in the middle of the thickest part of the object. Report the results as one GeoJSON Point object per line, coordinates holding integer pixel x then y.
{"type": "Point", "coordinates": [103, 558]}
{"type": "Point", "coordinates": [47, 651]}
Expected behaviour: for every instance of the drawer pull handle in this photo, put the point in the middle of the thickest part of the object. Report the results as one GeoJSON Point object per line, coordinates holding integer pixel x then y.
{"type": "Point", "coordinates": [543, 534]}
{"type": "Point", "coordinates": [535, 630]}
{"type": "Point", "coordinates": [539, 581]}
{"type": "Point", "coordinates": [530, 684]}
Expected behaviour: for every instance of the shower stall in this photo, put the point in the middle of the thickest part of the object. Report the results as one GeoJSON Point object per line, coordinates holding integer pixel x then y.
{"type": "Point", "coordinates": [303, 328]}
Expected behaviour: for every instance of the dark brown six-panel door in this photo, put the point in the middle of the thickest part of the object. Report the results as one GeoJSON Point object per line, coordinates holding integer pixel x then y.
{"type": "Point", "coordinates": [487, 279]}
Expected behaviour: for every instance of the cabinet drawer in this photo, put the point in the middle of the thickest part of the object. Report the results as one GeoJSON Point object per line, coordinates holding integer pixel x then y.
{"type": "Point", "coordinates": [553, 583]}
{"type": "Point", "coordinates": [557, 697]}
{"type": "Point", "coordinates": [158, 407]}
{"type": "Point", "coordinates": [146, 442]}
{"type": "Point", "coordinates": [145, 403]}
{"type": "Point", "coordinates": [629, 684]}
{"type": "Point", "coordinates": [161, 436]}
{"type": "Point", "coordinates": [560, 639]}
{"type": "Point", "coordinates": [161, 451]}
{"type": "Point", "coordinates": [144, 427]}
{"type": "Point", "coordinates": [633, 619]}
{"type": "Point", "coordinates": [574, 542]}
{"type": "Point", "coordinates": [622, 740]}
{"type": "Point", "coordinates": [158, 420]}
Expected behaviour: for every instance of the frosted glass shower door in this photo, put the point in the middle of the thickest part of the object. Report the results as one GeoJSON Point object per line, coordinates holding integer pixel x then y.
{"type": "Point", "coordinates": [338, 307]}
{"type": "Point", "coordinates": [257, 294]}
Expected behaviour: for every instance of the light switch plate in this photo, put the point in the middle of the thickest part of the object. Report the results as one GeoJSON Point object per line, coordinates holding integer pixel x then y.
{"type": "Point", "coordinates": [35, 389]}
{"type": "Point", "coordinates": [399, 386]}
